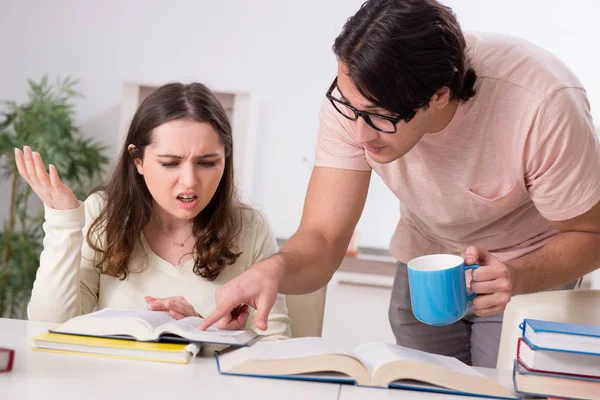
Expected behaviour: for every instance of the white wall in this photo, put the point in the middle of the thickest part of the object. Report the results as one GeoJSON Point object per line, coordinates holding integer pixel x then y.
{"type": "Point", "coordinates": [279, 51]}
{"type": "Point", "coordinates": [357, 313]}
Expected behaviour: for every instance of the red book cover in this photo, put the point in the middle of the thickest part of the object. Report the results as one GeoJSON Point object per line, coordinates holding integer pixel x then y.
{"type": "Point", "coordinates": [9, 356]}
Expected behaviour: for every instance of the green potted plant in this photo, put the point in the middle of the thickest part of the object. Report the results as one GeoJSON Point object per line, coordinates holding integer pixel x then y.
{"type": "Point", "coordinates": [46, 123]}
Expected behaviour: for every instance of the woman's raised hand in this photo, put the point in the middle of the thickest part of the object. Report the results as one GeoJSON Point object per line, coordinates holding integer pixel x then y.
{"type": "Point", "coordinates": [48, 187]}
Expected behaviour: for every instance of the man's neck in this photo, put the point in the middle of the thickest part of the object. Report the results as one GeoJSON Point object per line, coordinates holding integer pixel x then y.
{"type": "Point", "coordinates": [442, 117]}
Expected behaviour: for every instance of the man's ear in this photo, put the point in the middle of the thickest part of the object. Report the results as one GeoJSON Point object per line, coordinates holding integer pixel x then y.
{"type": "Point", "coordinates": [134, 152]}
{"type": "Point", "coordinates": [440, 98]}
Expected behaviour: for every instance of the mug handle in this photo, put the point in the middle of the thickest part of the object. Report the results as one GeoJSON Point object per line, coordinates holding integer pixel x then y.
{"type": "Point", "coordinates": [465, 268]}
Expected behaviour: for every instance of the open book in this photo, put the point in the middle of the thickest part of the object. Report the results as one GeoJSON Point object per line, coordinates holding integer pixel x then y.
{"type": "Point", "coordinates": [371, 364]}
{"type": "Point", "coordinates": [151, 326]}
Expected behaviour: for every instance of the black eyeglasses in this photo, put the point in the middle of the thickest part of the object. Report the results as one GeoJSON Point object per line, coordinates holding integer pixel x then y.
{"type": "Point", "coordinates": [382, 123]}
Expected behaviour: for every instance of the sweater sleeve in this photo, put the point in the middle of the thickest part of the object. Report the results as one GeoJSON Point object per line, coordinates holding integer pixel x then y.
{"type": "Point", "coordinates": [265, 246]}
{"type": "Point", "coordinates": [66, 283]}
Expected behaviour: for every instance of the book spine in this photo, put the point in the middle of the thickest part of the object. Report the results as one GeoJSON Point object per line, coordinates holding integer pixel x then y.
{"type": "Point", "coordinates": [11, 357]}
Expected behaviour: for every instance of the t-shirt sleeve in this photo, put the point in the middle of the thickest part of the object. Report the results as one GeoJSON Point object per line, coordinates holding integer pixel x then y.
{"type": "Point", "coordinates": [336, 146]}
{"type": "Point", "coordinates": [563, 157]}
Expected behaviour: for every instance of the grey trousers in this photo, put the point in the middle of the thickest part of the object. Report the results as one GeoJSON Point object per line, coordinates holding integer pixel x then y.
{"type": "Point", "coordinates": [473, 340]}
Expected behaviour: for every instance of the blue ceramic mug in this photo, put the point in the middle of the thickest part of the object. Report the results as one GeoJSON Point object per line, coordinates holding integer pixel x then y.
{"type": "Point", "coordinates": [438, 289]}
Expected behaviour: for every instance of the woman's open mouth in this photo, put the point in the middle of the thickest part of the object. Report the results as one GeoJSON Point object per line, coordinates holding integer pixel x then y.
{"type": "Point", "coordinates": [188, 201]}
{"type": "Point", "coordinates": [187, 198]}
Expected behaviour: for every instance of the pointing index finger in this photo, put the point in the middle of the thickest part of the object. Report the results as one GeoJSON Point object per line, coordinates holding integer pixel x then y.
{"type": "Point", "coordinates": [215, 316]}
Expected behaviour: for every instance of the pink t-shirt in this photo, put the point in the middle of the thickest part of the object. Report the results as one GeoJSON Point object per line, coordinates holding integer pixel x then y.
{"type": "Point", "coordinates": [519, 154]}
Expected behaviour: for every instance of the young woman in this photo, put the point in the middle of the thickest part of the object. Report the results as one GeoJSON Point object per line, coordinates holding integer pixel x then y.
{"type": "Point", "coordinates": [164, 233]}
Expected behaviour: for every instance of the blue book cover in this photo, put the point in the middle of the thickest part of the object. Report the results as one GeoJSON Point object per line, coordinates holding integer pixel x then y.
{"type": "Point", "coordinates": [562, 337]}
{"type": "Point", "coordinates": [422, 387]}
{"type": "Point", "coordinates": [563, 328]}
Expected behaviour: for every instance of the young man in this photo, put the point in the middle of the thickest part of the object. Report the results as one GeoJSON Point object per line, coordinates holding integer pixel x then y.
{"type": "Point", "coordinates": [488, 143]}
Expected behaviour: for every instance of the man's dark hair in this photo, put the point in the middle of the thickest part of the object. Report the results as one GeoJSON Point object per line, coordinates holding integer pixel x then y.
{"type": "Point", "coordinates": [400, 52]}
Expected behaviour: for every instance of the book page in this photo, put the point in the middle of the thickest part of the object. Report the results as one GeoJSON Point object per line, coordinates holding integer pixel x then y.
{"type": "Point", "coordinates": [281, 350]}
{"type": "Point", "coordinates": [375, 355]}
{"type": "Point", "coordinates": [139, 324]}
{"type": "Point", "coordinates": [152, 319]}
{"type": "Point", "coordinates": [191, 324]}
{"type": "Point", "coordinates": [188, 328]}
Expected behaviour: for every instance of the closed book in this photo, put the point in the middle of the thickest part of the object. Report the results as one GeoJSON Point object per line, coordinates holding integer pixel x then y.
{"type": "Point", "coordinates": [560, 336]}
{"type": "Point", "coordinates": [381, 365]}
{"type": "Point", "coordinates": [116, 348]}
{"type": "Point", "coordinates": [532, 383]}
{"type": "Point", "coordinates": [559, 362]}
{"type": "Point", "coordinates": [152, 326]}
{"type": "Point", "coordinates": [7, 357]}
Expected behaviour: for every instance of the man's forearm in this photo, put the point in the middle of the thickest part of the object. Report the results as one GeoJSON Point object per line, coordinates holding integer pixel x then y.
{"type": "Point", "coordinates": [566, 258]}
{"type": "Point", "coordinates": [308, 262]}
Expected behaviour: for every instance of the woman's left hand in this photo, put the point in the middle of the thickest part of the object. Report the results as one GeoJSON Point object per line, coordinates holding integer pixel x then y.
{"type": "Point", "coordinates": [177, 306]}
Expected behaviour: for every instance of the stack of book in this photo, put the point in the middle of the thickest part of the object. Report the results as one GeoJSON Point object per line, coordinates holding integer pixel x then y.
{"type": "Point", "coordinates": [137, 334]}
{"type": "Point", "coordinates": [557, 359]}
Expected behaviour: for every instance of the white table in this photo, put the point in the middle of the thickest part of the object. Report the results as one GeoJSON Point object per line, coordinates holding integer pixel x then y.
{"type": "Point", "coordinates": [39, 375]}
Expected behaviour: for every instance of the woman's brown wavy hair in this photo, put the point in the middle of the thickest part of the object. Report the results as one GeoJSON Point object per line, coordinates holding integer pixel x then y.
{"type": "Point", "coordinates": [128, 203]}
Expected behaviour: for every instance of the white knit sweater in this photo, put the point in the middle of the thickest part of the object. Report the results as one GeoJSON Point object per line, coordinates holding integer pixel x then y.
{"type": "Point", "coordinates": [67, 284]}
